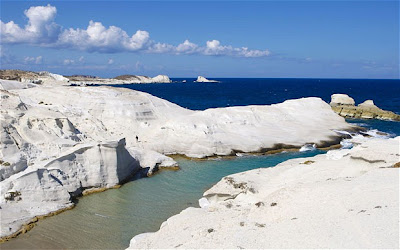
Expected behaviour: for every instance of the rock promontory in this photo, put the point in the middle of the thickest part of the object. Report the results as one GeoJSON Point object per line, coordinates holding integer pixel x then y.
{"type": "Point", "coordinates": [345, 106]}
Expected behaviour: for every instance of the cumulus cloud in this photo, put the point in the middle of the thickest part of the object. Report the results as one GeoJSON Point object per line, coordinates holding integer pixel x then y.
{"type": "Point", "coordinates": [98, 38]}
{"type": "Point", "coordinates": [41, 30]}
{"type": "Point", "coordinates": [35, 60]}
{"type": "Point", "coordinates": [187, 48]}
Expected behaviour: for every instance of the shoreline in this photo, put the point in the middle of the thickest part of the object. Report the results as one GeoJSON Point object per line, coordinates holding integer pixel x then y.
{"type": "Point", "coordinates": [250, 198]}
{"type": "Point", "coordinates": [32, 223]}
{"type": "Point", "coordinates": [75, 136]}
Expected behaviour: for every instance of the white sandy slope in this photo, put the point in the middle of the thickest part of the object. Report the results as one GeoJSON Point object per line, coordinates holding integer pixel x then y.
{"type": "Point", "coordinates": [57, 141]}
{"type": "Point", "coordinates": [347, 198]}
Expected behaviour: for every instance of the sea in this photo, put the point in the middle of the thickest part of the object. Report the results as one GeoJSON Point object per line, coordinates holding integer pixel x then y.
{"type": "Point", "coordinates": [108, 220]}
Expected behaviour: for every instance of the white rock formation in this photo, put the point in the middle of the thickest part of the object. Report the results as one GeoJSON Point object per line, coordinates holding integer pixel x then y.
{"type": "Point", "coordinates": [8, 85]}
{"type": "Point", "coordinates": [161, 79]}
{"type": "Point", "coordinates": [142, 79]}
{"type": "Point", "coordinates": [350, 201]}
{"type": "Point", "coordinates": [53, 182]}
{"type": "Point", "coordinates": [203, 79]}
{"type": "Point", "coordinates": [344, 106]}
{"type": "Point", "coordinates": [166, 128]}
{"type": "Point", "coordinates": [126, 80]}
{"type": "Point", "coordinates": [59, 140]}
{"type": "Point", "coordinates": [368, 104]}
{"type": "Point", "coordinates": [55, 77]}
{"type": "Point", "coordinates": [341, 99]}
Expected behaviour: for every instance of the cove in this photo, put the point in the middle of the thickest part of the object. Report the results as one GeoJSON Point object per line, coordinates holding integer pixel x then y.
{"type": "Point", "coordinates": [108, 220]}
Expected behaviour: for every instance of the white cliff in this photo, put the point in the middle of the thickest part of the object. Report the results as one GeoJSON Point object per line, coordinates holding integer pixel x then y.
{"type": "Point", "coordinates": [348, 198]}
{"type": "Point", "coordinates": [161, 79]}
{"type": "Point", "coordinates": [58, 141]}
{"type": "Point", "coordinates": [203, 79]}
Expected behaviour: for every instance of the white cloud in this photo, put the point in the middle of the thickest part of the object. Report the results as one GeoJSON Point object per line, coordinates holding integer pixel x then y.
{"type": "Point", "coordinates": [187, 48]}
{"type": "Point", "coordinates": [35, 60]}
{"type": "Point", "coordinates": [68, 61]}
{"type": "Point", "coordinates": [41, 30]}
{"type": "Point", "coordinates": [215, 48]}
{"type": "Point", "coordinates": [101, 39]}
{"type": "Point", "coordinates": [110, 61]}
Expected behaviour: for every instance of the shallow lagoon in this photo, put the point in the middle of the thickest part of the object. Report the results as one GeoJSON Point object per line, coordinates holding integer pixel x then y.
{"type": "Point", "coordinates": [110, 219]}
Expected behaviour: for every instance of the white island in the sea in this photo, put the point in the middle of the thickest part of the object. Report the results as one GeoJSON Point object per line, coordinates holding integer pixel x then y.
{"type": "Point", "coordinates": [203, 79]}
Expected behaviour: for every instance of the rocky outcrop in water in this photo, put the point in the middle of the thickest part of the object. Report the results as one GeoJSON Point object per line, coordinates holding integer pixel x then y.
{"type": "Point", "coordinates": [348, 198]}
{"type": "Point", "coordinates": [203, 79]}
{"type": "Point", "coordinates": [344, 106]}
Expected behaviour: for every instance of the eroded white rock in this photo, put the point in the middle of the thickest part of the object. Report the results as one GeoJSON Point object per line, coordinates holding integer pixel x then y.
{"type": "Point", "coordinates": [348, 202]}
{"type": "Point", "coordinates": [341, 99]}
{"type": "Point", "coordinates": [59, 140]}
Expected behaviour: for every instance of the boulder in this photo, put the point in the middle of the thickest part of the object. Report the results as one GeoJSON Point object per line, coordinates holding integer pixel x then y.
{"type": "Point", "coordinates": [341, 99]}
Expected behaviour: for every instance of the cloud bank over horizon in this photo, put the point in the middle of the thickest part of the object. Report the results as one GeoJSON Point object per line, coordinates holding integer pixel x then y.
{"type": "Point", "coordinates": [41, 30]}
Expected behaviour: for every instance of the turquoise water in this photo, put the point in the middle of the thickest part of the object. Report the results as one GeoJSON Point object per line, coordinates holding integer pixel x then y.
{"type": "Point", "coordinates": [110, 219]}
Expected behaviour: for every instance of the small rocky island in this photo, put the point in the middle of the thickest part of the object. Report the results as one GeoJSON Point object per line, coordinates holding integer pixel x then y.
{"type": "Point", "coordinates": [203, 79]}
{"type": "Point", "coordinates": [345, 106]}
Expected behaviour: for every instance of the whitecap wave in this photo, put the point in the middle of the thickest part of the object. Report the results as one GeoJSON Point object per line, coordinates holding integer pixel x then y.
{"type": "Point", "coordinates": [307, 147]}
{"type": "Point", "coordinates": [377, 134]}
{"type": "Point", "coordinates": [361, 136]}
{"type": "Point", "coordinates": [346, 144]}
{"type": "Point", "coordinates": [343, 132]}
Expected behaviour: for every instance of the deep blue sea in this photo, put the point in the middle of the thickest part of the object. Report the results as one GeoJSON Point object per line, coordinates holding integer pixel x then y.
{"type": "Point", "coordinates": [262, 91]}
{"type": "Point", "coordinates": [110, 219]}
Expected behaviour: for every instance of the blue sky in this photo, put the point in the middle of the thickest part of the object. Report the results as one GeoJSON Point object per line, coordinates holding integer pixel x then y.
{"type": "Point", "coordinates": [327, 39]}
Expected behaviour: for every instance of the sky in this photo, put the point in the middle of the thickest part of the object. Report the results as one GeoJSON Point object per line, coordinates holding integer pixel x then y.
{"type": "Point", "coordinates": [272, 39]}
